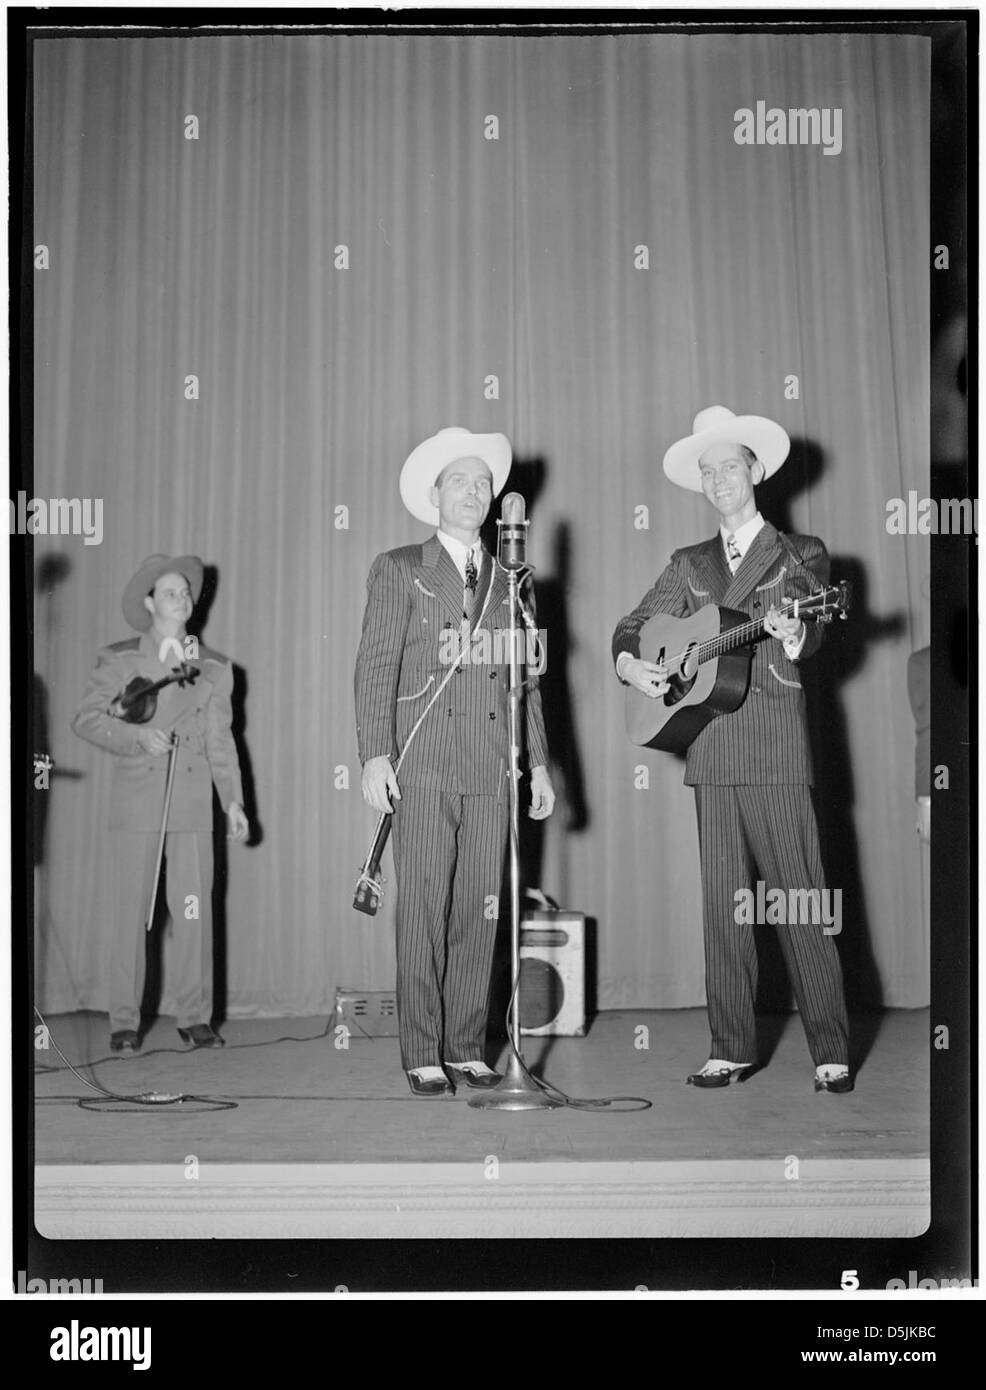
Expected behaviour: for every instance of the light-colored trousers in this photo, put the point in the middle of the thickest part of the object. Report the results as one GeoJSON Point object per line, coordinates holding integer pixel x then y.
{"type": "Point", "coordinates": [188, 873]}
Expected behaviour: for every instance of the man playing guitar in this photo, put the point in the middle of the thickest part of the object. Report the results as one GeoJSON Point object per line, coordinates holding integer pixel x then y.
{"type": "Point", "coordinates": [750, 766]}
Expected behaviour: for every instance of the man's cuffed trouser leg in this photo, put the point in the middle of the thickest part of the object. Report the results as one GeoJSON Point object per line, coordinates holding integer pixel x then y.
{"type": "Point", "coordinates": [424, 831]}
{"type": "Point", "coordinates": [132, 855]}
{"type": "Point", "coordinates": [189, 889]}
{"type": "Point", "coordinates": [774, 828]}
{"type": "Point", "coordinates": [782, 833]}
{"type": "Point", "coordinates": [448, 859]}
{"type": "Point", "coordinates": [730, 947]}
{"type": "Point", "coordinates": [472, 926]}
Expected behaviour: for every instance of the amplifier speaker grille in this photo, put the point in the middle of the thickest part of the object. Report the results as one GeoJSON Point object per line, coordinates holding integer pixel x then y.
{"type": "Point", "coordinates": [552, 973]}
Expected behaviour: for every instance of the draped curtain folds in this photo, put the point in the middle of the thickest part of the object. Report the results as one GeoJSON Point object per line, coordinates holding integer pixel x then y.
{"type": "Point", "coordinates": [471, 258]}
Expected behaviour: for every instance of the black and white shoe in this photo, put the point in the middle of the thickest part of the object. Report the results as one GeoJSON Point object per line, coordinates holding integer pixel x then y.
{"type": "Point", "coordinates": [832, 1076]}
{"type": "Point", "coordinates": [717, 1073]}
{"type": "Point", "coordinates": [429, 1082]}
{"type": "Point", "coordinates": [475, 1074]}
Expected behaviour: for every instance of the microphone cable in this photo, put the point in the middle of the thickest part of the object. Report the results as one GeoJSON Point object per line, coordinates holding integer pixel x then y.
{"type": "Point", "coordinates": [606, 1105]}
{"type": "Point", "coordinates": [122, 1102]}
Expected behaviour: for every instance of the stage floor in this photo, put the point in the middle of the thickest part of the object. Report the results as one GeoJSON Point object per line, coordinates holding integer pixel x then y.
{"type": "Point", "coordinates": [328, 1141]}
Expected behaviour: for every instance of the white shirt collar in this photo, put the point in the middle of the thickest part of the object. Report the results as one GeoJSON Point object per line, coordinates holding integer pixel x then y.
{"type": "Point", "coordinates": [459, 552]}
{"type": "Point", "coordinates": [746, 534]}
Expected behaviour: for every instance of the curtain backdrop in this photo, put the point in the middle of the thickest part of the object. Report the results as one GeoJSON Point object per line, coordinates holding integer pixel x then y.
{"type": "Point", "coordinates": [471, 258]}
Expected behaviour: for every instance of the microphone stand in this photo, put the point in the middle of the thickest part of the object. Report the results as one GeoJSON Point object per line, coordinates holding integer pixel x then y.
{"type": "Point", "coordinates": [518, 1090]}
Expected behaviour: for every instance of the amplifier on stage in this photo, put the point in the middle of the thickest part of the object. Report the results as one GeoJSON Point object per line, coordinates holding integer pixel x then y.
{"type": "Point", "coordinates": [552, 969]}
{"type": "Point", "coordinates": [367, 1013]}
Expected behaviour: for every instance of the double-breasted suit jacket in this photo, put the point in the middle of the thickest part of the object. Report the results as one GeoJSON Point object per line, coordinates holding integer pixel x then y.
{"type": "Point", "coordinates": [200, 713]}
{"type": "Point", "coordinates": [412, 621]}
{"type": "Point", "coordinates": [450, 823]}
{"type": "Point", "coordinates": [765, 741]}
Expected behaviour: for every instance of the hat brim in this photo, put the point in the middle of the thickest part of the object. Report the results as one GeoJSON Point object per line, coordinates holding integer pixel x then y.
{"type": "Point", "coordinates": [768, 440]}
{"type": "Point", "coordinates": [423, 465]}
{"type": "Point", "coordinates": [149, 574]}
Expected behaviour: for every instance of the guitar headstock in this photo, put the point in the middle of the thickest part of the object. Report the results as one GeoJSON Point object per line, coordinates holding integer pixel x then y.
{"type": "Point", "coordinates": [825, 604]}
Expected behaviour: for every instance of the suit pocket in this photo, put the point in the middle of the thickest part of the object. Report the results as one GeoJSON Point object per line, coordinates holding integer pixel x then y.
{"type": "Point", "coordinates": [417, 696]}
{"type": "Point", "coordinates": [795, 685]}
{"type": "Point", "coordinates": [772, 583]}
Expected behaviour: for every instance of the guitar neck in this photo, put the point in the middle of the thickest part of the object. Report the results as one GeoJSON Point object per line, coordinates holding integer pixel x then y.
{"type": "Point", "coordinates": [740, 636]}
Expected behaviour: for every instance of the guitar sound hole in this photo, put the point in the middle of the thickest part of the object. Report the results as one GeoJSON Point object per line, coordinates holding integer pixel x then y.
{"type": "Point", "coordinates": [683, 679]}
{"type": "Point", "coordinates": [679, 689]}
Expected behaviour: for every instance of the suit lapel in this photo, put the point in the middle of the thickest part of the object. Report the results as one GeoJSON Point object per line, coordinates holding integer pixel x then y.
{"type": "Point", "coordinates": [483, 587]}
{"type": "Point", "coordinates": [442, 577]}
{"type": "Point", "coordinates": [762, 553]}
{"type": "Point", "coordinates": [711, 571]}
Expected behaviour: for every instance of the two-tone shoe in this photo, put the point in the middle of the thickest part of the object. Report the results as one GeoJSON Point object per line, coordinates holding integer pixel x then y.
{"type": "Point", "coordinates": [718, 1073]}
{"type": "Point", "coordinates": [838, 1080]}
{"type": "Point", "coordinates": [429, 1082]}
{"type": "Point", "coordinates": [475, 1074]}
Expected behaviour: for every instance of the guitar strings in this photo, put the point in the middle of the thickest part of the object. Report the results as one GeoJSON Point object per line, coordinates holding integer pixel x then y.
{"type": "Point", "coordinates": [708, 648]}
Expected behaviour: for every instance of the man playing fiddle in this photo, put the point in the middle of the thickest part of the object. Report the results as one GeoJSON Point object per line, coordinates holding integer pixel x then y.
{"type": "Point", "coordinates": [194, 718]}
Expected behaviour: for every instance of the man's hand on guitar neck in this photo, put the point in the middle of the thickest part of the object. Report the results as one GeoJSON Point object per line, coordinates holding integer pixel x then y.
{"type": "Point", "coordinates": [787, 629]}
{"type": "Point", "coordinates": [380, 784]}
{"type": "Point", "coordinates": [649, 677]}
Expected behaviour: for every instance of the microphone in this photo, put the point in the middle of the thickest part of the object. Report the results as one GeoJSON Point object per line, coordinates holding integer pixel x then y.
{"type": "Point", "coordinates": [512, 533]}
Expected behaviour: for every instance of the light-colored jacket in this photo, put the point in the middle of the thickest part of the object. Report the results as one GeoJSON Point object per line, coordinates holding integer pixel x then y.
{"type": "Point", "coordinates": [200, 713]}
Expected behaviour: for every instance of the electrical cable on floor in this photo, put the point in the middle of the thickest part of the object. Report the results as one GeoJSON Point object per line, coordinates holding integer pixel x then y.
{"type": "Point", "coordinates": [197, 1104]}
{"type": "Point", "coordinates": [226, 1103]}
{"type": "Point", "coordinates": [44, 1070]}
{"type": "Point", "coordinates": [611, 1105]}
{"type": "Point", "coordinates": [144, 1099]}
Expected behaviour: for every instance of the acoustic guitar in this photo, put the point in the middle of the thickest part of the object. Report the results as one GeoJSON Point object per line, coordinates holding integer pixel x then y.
{"type": "Point", "coordinates": [708, 656]}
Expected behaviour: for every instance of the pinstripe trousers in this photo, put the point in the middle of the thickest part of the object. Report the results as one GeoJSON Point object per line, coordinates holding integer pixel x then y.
{"type": "Point", "coordinates": [774, 828]}
{"type": "Point", "coordinates": [448, 858]}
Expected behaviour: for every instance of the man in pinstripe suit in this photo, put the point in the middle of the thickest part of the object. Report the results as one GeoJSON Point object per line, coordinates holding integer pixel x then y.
{"type": "Point", "coordinates": [434, 749]}
{"type": "Point", "coordinates": [751, 769]}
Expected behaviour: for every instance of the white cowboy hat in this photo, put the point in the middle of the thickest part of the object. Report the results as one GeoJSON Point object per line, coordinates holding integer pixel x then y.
{"type": "Point", "coordinates": [423, 465]}
{"type": "Point", "coordinates": [718, 425]}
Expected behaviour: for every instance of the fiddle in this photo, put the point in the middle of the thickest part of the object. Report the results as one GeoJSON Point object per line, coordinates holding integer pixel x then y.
{"type": "Point", "coordinates": [137, 704]}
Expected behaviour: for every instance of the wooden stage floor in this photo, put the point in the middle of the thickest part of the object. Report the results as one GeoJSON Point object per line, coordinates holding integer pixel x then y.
{"type": "Point", "coordinates": [328, 1142]}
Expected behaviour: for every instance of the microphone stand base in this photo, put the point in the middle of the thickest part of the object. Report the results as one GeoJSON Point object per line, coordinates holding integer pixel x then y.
{"type": "Point", "coordinates": [517, 1091]}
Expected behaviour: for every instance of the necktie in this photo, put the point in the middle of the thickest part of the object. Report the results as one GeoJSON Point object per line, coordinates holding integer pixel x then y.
{"type": "Point", "coordinates": [733, 554]}
{"type": "Point", "coordinates": [472, 580]}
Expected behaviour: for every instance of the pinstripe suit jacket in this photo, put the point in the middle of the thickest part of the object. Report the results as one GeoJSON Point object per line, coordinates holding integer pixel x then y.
{"type": "Point", "coordinates": [765, 741]}
{"type": "Point", "coordinates": [200, 714]}
{"type": "Point", "coordinates": [414, 595]}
